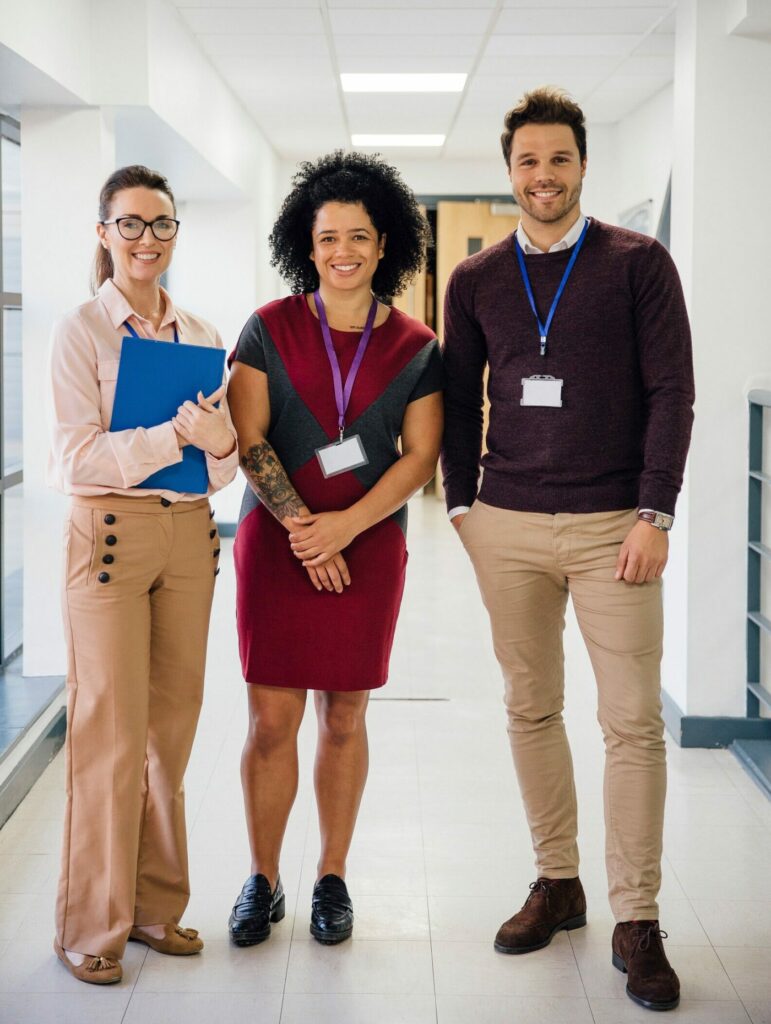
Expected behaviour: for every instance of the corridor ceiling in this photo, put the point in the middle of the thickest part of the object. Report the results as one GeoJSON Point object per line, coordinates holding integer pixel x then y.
{"type": "Point", "coordinates": [283, 60]}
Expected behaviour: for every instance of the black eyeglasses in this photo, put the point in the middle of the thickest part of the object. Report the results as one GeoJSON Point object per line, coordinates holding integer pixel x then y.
{"type": "Point", "coordinates": [132, 228]}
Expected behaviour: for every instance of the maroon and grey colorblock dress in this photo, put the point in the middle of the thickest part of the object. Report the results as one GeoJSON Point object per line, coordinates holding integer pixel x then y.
{"type": "Point", "coordinates": [290, 634]}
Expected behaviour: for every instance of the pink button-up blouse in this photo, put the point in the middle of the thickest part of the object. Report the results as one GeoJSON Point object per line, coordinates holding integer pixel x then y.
{"type": "Point", "coordinates": [86, 457]}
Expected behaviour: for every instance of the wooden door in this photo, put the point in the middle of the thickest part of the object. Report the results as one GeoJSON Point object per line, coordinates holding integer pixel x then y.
{"type": "Point", "coordinates": [412, 301]}
{"type": "Point", "coordinates": [463, 229]}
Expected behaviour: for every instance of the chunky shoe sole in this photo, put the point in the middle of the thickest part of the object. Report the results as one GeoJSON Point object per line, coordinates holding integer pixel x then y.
{"type": "Point", "coordinates": [331, 939]}
{"type": "Point", "coordinates": [670, 1004]}
{"type": "Point", "coordinates": [565, 926]}
{"type": "Point", "coordinates": [254, 938]}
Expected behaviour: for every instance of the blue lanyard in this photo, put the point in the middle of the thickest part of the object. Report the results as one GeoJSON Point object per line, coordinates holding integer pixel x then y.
{"type": "Point", "coordinates": [544, 328]}
{"type": "Point", "coordinates": [134, 334]}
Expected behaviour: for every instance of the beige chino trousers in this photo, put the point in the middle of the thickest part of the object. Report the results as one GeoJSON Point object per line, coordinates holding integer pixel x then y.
{"type": "Point", "coordinates": [526, 565]}
{"type": "Point", "coordinates": [136, 656]}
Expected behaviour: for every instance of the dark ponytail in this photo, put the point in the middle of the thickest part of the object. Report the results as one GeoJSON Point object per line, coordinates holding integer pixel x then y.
{"type": "Point", "coordinates": [135, 176]}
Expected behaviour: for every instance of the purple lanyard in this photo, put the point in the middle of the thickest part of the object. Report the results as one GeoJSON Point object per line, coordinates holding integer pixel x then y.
{"type": "Point", "coordinates": [343, 391]}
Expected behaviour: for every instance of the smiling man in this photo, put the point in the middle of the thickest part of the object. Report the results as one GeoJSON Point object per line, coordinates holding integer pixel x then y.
{"type": "Point", "coordinates": [583, 329]}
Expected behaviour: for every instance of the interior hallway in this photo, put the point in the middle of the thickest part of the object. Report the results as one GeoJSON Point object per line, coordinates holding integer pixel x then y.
{"type": "Point", "coordinates": [441, 858]}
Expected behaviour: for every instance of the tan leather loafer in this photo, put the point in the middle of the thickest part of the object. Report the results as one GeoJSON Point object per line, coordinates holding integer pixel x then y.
{"type": "Point", "coordinates": [175, 942]}
{"type": "Point", "coordinates": [95, 970]}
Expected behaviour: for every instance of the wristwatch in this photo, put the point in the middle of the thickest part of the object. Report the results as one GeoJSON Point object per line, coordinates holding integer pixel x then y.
{"type": "Point", "coordinates": [660, 520]}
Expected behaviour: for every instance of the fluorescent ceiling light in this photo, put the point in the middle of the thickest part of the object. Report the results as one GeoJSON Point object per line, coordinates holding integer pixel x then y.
{"type": "Point", "coordinates": [419, 82]}
{"type": "Point", "coordinates": [398, 140]}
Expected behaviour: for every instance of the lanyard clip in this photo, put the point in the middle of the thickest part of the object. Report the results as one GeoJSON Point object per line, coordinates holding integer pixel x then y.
{"type": "Point", "coordinates": [342, 428]}
{"type": "Point", "coordinates": [543, 344]}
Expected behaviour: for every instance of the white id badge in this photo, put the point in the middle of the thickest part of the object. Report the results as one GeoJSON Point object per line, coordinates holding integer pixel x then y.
{"type": "Point", "coordinates": [543, 390]}
{"type": "Point", "coordinates": [340, 456]}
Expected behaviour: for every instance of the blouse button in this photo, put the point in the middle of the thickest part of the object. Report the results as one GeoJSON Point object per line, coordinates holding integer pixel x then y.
{"type": "Point", "coordinates": [110, 539]}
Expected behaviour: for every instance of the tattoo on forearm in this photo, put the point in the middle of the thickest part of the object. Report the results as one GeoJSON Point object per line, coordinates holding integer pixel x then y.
{"type": "Point", "coordinates": [269, 480]}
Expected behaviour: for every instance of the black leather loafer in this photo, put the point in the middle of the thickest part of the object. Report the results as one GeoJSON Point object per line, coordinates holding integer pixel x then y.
{"type": "Point", "coordinates": [331, 911]}
{"type": "Point", "coordinates": [254, 910]}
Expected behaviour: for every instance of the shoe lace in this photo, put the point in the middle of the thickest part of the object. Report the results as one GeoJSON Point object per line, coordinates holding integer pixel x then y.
{"type": "Point", "coordinates": [541, 885]}
{"type": "Point", "coordinates": [186, 933]}
{"type": "Point", "coordinates": [101, 963]}
{"type": "Point", "coordinates": [645, 934]}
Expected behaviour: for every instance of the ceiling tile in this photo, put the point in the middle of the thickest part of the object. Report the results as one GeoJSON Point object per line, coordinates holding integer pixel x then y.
{"type": "Point", "coordinates": [382, 112]}
{"type": "Point", "coordinates": [400, 5]}
{"type": "Point", "coordinates": [561, 45]}
{"type": "Point", "coordinates": [257, 21]}
{"type": "Point", "coordinates": [435, 22]}
{"type": "Point", "coordinates": [656, 44]}
{"type": "Point", "coordinates": [248, 71]}
{"type": "Point", "coordinates": [649, 67]}
{"type": "Point", "coordinates": [184, 5]}
{"type": "Point", "coordinates": [363, 63]}
{"type": "Point", "coordinates": [545, 68]}
{"type": "Point", "coordinates": [611, 5]}
{"type": "Point", "coordinates": [253, 45]}
{"type": "Point", "coordinates": [404, 46]}
{"type": "Point", "coordinates": [488, 87]}
{"type": "Point", "coordinates": [593, 21]}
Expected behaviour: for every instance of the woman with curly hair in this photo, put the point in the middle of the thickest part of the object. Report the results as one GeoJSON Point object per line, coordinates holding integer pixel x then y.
{"type": "Point", "coordinates": [324, 385]}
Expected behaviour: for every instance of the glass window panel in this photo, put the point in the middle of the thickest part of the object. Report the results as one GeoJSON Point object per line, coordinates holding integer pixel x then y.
{"type": "Point", "coordinates": [12, 456]}
{"type": "Point", "coordinates": [10, 161]}
{"type": "Point", "coordinates": [13, 572]}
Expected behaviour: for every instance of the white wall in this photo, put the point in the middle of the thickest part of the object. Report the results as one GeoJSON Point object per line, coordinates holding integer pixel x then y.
{"type": "Point", "coordinates": [643, 154]}
{"type": "Point", "coordinates": [58, 243]}
{"type": "Point", "coordinates": [722, 86]}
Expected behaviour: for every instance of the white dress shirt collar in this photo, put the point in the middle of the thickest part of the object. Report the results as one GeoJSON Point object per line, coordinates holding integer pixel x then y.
{"type": "Point", "coordinates": [569, 239]}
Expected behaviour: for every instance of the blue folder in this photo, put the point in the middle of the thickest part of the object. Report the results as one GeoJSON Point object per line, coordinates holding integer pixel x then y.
{"type": "Point", "coordinates": [154, 379]}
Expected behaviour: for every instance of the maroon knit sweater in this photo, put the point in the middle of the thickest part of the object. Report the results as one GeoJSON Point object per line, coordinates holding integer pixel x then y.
{"type": "Point", "coordinates": [620, 341]}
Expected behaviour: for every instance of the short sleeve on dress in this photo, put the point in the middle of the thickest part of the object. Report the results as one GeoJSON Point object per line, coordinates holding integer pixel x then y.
{"type": "Point", "coordinates": [432, 378]}
{"type": "Point", "coordinates": [250, 348]}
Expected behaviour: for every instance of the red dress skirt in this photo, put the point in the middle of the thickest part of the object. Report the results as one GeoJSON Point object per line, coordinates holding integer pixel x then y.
{"type": "Point", "coordinates": [289, 633]}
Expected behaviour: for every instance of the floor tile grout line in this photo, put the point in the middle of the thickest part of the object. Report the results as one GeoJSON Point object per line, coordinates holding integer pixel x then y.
{"type": "Point", "coordinates": [309, 815]}
{"type": "Point", "coordinates": [425, 866]}
{"type": "Point", "coordinates": [133, 987]}
{"type": "Point", "coordinates": [581, 977]}
{"type": "Point", "coordinates": [733, 986]}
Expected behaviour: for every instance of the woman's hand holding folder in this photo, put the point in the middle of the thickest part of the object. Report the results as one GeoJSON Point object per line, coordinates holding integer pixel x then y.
{"type": "Point", "coordinates": [204, 425]}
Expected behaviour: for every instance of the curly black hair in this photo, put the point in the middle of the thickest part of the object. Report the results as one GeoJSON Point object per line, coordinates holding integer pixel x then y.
{"type": "Point", "coordinates": [342, 177]}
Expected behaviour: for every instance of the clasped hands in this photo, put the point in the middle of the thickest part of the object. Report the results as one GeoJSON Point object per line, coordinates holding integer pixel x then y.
{"type": "Point", "coordinates": [318, 541]}
{"type": "Point", "coordinates": [204, 425]}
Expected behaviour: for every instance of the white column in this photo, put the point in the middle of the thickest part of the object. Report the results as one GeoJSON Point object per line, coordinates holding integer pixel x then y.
{"type": "Point", "coordinates": [66, 157]}
{"type": "Point", "coordinates": [721, 226]}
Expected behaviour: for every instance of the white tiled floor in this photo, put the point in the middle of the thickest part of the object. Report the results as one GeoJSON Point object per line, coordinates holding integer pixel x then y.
{"type": "Point", "coordinates": [441, 857]}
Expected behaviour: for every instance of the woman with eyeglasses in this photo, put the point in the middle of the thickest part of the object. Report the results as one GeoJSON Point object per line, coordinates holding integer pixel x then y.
{"type": "Point", "coordinates": [140, 563]}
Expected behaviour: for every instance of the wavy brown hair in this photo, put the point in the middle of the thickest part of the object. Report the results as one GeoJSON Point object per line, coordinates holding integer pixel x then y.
{"type": "Point", "coordinates": [545, 105]}
{"type": "Point", "coordinates": [134, 176]}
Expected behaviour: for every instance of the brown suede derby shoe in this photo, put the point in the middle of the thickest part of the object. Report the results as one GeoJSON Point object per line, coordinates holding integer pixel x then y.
{"type": "Point", "coordinates": [554, 905]}
{"type": "Point", "coordinates": [639, 952]}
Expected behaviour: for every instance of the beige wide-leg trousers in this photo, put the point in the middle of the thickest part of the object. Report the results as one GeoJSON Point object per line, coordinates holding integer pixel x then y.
{"type": "Point", "coordinates": [526, 565]}
{"type": "Point", "coordinates": [138, 585]}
